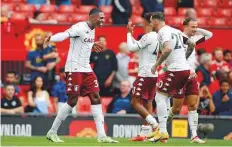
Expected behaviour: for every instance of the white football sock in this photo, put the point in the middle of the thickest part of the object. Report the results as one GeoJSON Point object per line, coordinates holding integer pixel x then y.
{"type": "Point", "coordinates": [193, 122]}
{"type": "Point", "coordinates": [162, 111]}
{"type": "Point", "coordinates": [99, 119]}
{"type": "Point", "coordinates": [168, 104]}
{"type": "Point", "coordinates": [61, 116]}
{"type": "Point", "coordinates": [152, 121]}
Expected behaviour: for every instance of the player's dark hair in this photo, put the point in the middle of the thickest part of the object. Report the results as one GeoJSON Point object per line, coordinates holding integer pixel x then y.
{"type": "Point", "coordinates": [226, 52]}
{"type": "Point", "coordinates": [33, 86]}
{"type": "Point", "coordinates": [11, 72]}
{"type": "Point", "coordinates": [147, 16]}
{"type": "Point", "coordinates": [224, 81]}
{"type": "Point", "coordinates": [187, 20]}
{"type": "Point", "coordinates": [94, 11]}
{"type": "Point", "coordinates": [158, 15]}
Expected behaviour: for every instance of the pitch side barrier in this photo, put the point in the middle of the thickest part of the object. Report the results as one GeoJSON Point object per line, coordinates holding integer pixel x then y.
{"type": "Point", "coordinates": [121, 126]}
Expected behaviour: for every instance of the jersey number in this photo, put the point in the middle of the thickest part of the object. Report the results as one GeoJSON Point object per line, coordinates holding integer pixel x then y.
{"type": "Point", "coordinates": [179, 41]}
{"type": "Point", "coordinates": [95, 83]}
{"type": "Point", "coordinates": [156, 49]}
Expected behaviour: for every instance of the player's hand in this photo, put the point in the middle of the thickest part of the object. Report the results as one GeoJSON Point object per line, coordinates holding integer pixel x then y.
{"type": "Point", "coordinates": [192, 74]}
{"type": "Point", "coordinates": [46, 41]}
{"type": "Point", "coordinates": [130, 27]}
{"type": "Point", "coordinates": [108, 82]}
{"type": "Point", "coordinates": [154, 69]}
{"type": "Point", "coordinates": [42, 69]}
{"type": "Point", "coordinates": [97, 46]}
{"type": "Point", "coordinates": [121, 112]}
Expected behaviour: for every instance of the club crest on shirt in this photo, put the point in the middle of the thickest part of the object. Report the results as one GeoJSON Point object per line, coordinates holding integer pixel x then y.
{"type": "Point", "coordinates": [107, 57]}
{"type": "Point", "coordinates": [76, 87]}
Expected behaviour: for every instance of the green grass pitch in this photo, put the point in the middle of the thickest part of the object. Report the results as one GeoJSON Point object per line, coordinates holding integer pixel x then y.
{"type": "Point", "coordinates": [72, 141]}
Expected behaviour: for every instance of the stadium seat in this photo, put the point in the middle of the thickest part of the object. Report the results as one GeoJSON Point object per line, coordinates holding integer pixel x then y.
{"type": "Point", "coordinates": [68, 9]}
{"type": "Point", "coordinates": [10, 6]}
{"type": "Point", "coordinates": [24, 88]}
{"type": "Point", "coordinates": [205, 3]}
{"type": "Point", "coordinates": [176, 21]}
{"type": "Point", "coordinates": [25, 8]}
{"type": "Point", "coordinates": [14, 1]}
{"type": "Point", "coordinates": [47, 8]}
{"type": "Point", "coordinates": [105, 101]}
{"type": "Point", "coordinates": [84, 9]}
{"type": "Point", "coordinates": [20, 16]}
{"type": "Point", "coordinates": [202, 21]}
{"type": "Point", "coordinates": [182, 11]}
{"type": "Point", "coordinates": [170, 3]}
{"type": "Point", "coordinates": [136, 19]}
{"type": "Point", "coordinates": [83, 105]}
{"type": "Point", "coordinates": [169, 11]}
{"type": "Point", "coordinates": [106, 9]}
{"type": "Point", "coordinates": [219, 22]}
{"type": "Point", "coordinates": [77, 3]}
{"type": "Point", "coordinates": [224, 3]}
{"type": "Point", "coordinates": [202, 12]}
{"type": "Point", "coordinates": [77, 18]}
{"type": "Point", "coordinates": [224, 12]}
{"type": "Point", "coordinates": [137, 10]}
{"type": "Point", "coordinates": [62, 18]}
{"type": "Point", "coordinates": [2, 92]}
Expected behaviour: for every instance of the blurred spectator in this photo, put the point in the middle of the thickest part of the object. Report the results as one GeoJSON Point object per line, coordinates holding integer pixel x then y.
{"type": "Point", "coordinates": [133, 67]}
{"type": "Point", "coordinates": [121, 11]}
{"type": "Point", "coordinates": [203, 71]}
{"type": "Point", "coordinates": [185, 3]}
{"type": "Point", "coordinates": [121, 103]}
{"type": "Point", "coordinates": [63, 2]}
{"type": "Point", "coordinates": [37, 3]}
{"type": "Point", "coordinates": [59, 90]}
{"type": "Point", "coordinates": [105, 67]}
{"type": "Point", "coordinates": [229, 77]}
{"type": "Point", "coordinates": [228, 57]}
{"type": "Point", "coordinates": [10, 104]}
{"type": "Point", "coordinates": [223, 99]}
{"type": "Point", "coordinates": [191, 13]}
{"type": "Point", "coordinates": [42, 18]}
{"type": "Point", "coordinates": [218, 62]}
{"type": "Point", "coordinates": [152, 6]}
{"type": "Point", "coordinates": [88, 2]}
{"type": "Point", "coordinates": [38, 97]}
{"type": "Point", "coordinates": [104, 2]}
{"type": "Point", "coordinates": [35, 61]}
{"type": "Point", "coordinates": [123, 61]}
{"type": "Point", "coordinates": [215, 84]}
{"type": "Point", "coordinates": [11, 78]}
{"type": "Point", "coordinates": [51, 56]}
{"type": "Point", "coordinates": [206, 105]}
{"type": "Point", "coordinates": [5, 14]}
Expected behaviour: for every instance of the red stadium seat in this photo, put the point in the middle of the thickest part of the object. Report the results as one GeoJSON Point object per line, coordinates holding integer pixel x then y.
{"type": "Point", "coordinates": [83, 105]}
{"type": "Point", "coordinates": [14, 1]}
{"type": "Point", "coordinates": [62, 18]}
{"type": "Point", "coordinates": [10, 6]}
{"type": "Point", "coordinates": [106, 9]}
{"type": "Point", "coordinates": [77, 3]}
{"type": "Point", "coordinates": [24, 88]}
{"type": "Point", "coordinates": [224, 3]}
{"type": "Point", "coordinates": [219, 22]}
{"type": "Point", "coordinates": [182, 11]}
{"type": "Point", "coordinates": [77, 18]}
{"type": "Point", "coordinates": [84, 9]}
{"type": "Point", "coordinates": [176, 21]}
{"type": "Point", "coordinates": [224, 12]}
{"type": "Point", "coordinates": [205, 12]}
{"type": "Point", "coordinates": [136, 19]}
{"type": "Point", "coordinates": [170, 3]}
{"type": "Point", "coordinates": [202, 21]}
{"type": "Point", "coordinates": [47, 8]}
{"type": "Point", "coordinates": [137, 10]}
{"type": "Point", "coordinates": [25, 8]}
{"type": "Point", "coordinates": [205, 3]}
{"type": "Point", "coordinates": [68, 9]}
{"type": "Point", "coordinates": [169, 11]}
{"type": "Point", "coordinates": [21, 16]}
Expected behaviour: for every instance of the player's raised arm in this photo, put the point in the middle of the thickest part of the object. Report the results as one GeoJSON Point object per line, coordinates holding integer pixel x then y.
{"type": "Point", "coordinates": [131, 42]}
{"type": "Point", "coordinates": [191, 44]}
{"type": "Point", "coordinates": [204, 35]}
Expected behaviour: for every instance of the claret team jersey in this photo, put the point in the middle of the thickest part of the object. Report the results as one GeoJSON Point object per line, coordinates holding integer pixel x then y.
{"type": "Point", "coordinates": [176, 61]}
{"type": "Point", "coordinates": [81, 43]}
{"type": "Point", "coordinates": [149, 48]}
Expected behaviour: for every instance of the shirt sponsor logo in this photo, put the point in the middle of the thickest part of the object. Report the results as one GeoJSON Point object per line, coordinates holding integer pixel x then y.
{"type": "Point", "coordinates": [89, 40]}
